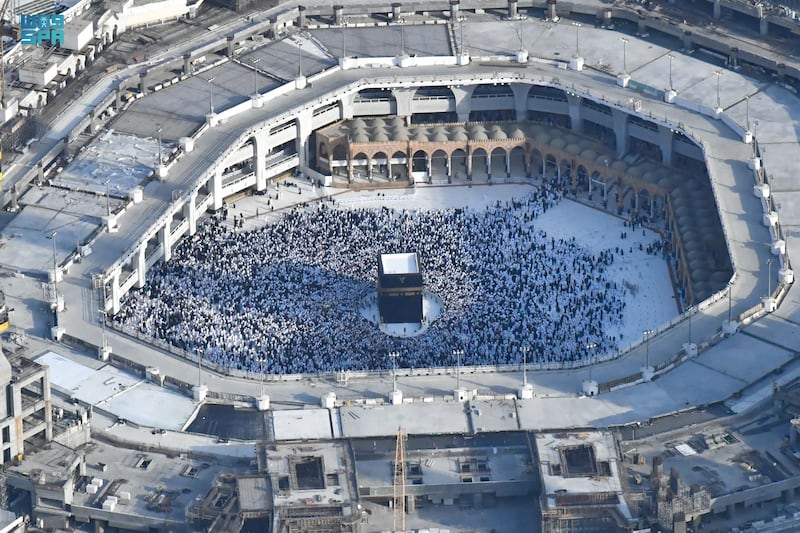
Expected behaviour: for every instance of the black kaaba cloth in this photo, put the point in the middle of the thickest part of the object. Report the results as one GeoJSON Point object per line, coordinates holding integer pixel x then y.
{"type": "Point", "coordinates": [400, 288]}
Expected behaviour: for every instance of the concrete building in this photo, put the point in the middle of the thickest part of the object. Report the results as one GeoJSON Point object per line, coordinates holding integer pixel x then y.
{"type": "Point", "coordinates": [581, 484]}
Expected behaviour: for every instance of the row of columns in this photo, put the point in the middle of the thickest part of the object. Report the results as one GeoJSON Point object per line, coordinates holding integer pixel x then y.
{"type": "Point", "coordinates": [338, 17]}
{"type": "Point", "coordinates": [189, 212]}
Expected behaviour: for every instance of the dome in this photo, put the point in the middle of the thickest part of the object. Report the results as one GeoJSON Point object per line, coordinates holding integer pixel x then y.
{"type": "Point", "coordinates": [360, 137]}
{"type": "Point", "coordinates": [516, 133]}
{"type": "Point", "coordinates": [440, 137]}
{"type": "Point", "coordinates": [358, 123]}
{"type": "Point", "coordinates": [399, 134]}
{"type": "Point", "coordinates": [558, 143]}
{"type": "Point", "coordinates": [498, 134]}
{"type": "Point", "coordinates": [480, 135]}
{"type": "Point", "coordinates": [380, 136]}
{"type": "Point", "coordinates": [421, 135]}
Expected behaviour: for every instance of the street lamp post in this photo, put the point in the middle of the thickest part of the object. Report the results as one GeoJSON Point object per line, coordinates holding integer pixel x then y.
{"type": "Point", "coordinates": [730, 301]}
{"type": "Point", "coordinates": [55, 268]}
{"type": "Point", "coordinates": [646, 333]}
{"type": "Point", "coordinates": [718, 74]}
{"type": "Point", "coordinates": [624, 54]}
{"type": "Point", "coordinates": [670, 56]}
{"type": "Point", "coordinates": [256, 61]}
{"type": "Point", "coordinates": [525, 350]}
{"type": "Point", "coordinates": [108, 198]}
{"type": "Point", "coordinates": [262, 360]}
{"type": "Point", "coordinates": [690, 312]}
{"type": "Point", "coordinates": [393, 356]}
{"type": "Point", "coordinates": [211, 94]}
{"type": "Point", "coordinates": [577, 39]}
{"type": "Point", "coordinates": [199, 370]}
{"type": "Point", "coordinates": [769, 278]}
{"type": "Point", "coordinates": [590, 348]}
{"type": "Point", "coordinates": [160, 158]}
{"type": "Point", "coordinates": [458, 353]}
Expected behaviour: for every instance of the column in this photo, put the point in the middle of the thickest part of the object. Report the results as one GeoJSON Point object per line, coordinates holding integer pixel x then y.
{"type": "Point", "coordinates": [521, 91]}
{"type": "Point", "coordinates": [346, 106]}
{"type": "Point", "coordinates": [404, 96]}
{"type": "Point", "coordinates": [508, 164]}
{"type": "Point", "coordinates": [141, 265]}
{"type": "Point", "coordinates": [142, 83]}
{"type": "Point", "coordinates": [259, 159]}
{"type": "Point", "coordinates": [187, 64]}
{"type": "Point", "coordinates": [469, 162]}
{"type": "Point", "coordinates": [301, 16]}
{"type": "Point", "coordinates": [552, 14]}
{"type": "Point", "coordinates": [665, 143]}
{"type": "Point", "coordinates": [230, 47]}
{"type": "Point", "coordinates": [48, 405]}
{"type": "Point", "coordinates": [304, 124]}
{"type": "Point", "coordinates": [463, 96]}
{"type": "Point", "coordinates": [166, 240]}
{"type": "Point", "coordinates": [763, 26]}
{"type": "Point", "coordinates": [717, 9]}
{"type": "Point", "coordinates": [687, 41]}
{"type": "Point", "coordinates": [115, 293]}
{"type": "Point", "coordinates": [449, 165]}
{"type": "Point", "coordinates": [118, 98]}
{"type": "Point", "coordinates": [489, 165]}
{"type": "Point", "coordinates": [620, 120]}
{"type": "Point", "coordinates": [576, 122]}
{"type": "Point", "coordinates": [191, 213]}
{"type": "Point", "coordinates": [429, 164]}
{"type": "Point", "coordinates": [454, 10]}
{"type": "Point", "coordinates": [338, 14]}
{"type": "Point", "coordinates": [216, 188]}
{"type": "Point", "coordinates": [396, 14]}
{"type": "Point", "coordinates": [512, 10]}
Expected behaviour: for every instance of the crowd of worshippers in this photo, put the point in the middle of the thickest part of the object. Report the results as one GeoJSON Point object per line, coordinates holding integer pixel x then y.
{"type": "Point", "coordinates": [286, 298]}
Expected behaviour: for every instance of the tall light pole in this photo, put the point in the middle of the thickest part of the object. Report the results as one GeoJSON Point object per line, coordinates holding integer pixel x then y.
{"type": "Point", "coordinates": [670, 56]}
{"type": "Point", "coordinates": [199, 370]}
{"type": "Point", "coordinates": [256, 61]}
{"type": "Point", "coordinates": [577, 39]}
{"type": "Point", "coordinates": [590, 348]}
{"type": "Point", "coordinates": [458, 353]}
{"type": "Point", "coordinates": [646, 334]}
{"type": "Point", "coordinates": [262, 360]}
{"type": "Point", "coordinates": [393, 356]}
{"type": "Point", "coordinates": [211, 94]}
{"type": "Point", "coordinates": [769, 278]}
{"type": "Point", "coordinates": [730, 301]}
{"type": "Point", "coordinates": [718, 74]}
{"type": "Point", "coordinates": [690, 311]}
{"type": "Point", "coordinates": [158, 131]}
{"type": "Point", "coordinates": [55, 268]}
{"type": "Point", "coordinates": [747, 112]}
{"type": "Point", "coordinates": [525, 349]}
{"type": "Point", "coordinates": [624, 54]}
{"type": "Point", "coordinates": [108, 198]}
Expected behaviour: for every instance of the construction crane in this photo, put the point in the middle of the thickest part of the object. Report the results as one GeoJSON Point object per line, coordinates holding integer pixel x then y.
{"type": "Point", "coordinates": [399, 499]}
{"type": "Point", "coordinates": [2, 85]}
{"type": "Point", "coordinates": [3, 54]}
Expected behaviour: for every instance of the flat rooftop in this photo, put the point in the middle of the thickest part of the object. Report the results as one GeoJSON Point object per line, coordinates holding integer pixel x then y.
{"type": "Point", "coordinates": [405, 263]}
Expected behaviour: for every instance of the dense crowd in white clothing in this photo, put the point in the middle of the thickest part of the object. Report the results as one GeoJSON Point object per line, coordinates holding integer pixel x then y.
{"type": "Point", "coordinates": [286, 297]}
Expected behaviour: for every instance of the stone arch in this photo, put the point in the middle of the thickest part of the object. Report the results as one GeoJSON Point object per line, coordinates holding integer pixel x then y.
{"type": "Point", "coordinates": [536, 162]}
{"type": "Point", "coordinates": [499, 158]}
{"type": "Point", "coordinates": [550, 166]}
{"type": "Point", "coordinates": [379, 165]}
{"type": "Point", "coordinates": [419, 161]}
{"type": "Point", "coordinates": [581, 177]}
{"type": "Point", "coordinates": [458, 162]}
{"type": "Point", "coordinates": [340, 152]}
{"type": "Point", "coordinates": [439, 166]}
{"type": "Point", "coordinates": [517, 162]}
{"type": "Point", "coordinates": [478, 161]}
{"type": "Point", "coordinates": [399, 165]}
{"type": "Point", "coordinates": [642, 201]}
{"type": "Point", "coordinates": [565, 171]}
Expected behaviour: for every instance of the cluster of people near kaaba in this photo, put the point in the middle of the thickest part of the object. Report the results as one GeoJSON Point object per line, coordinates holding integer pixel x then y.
{"type": "Point", "coordinates": [286, 298]}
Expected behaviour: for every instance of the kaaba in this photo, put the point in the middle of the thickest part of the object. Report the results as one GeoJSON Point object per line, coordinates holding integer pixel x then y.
{"type": "Point", "coordinates": [399, 288]}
